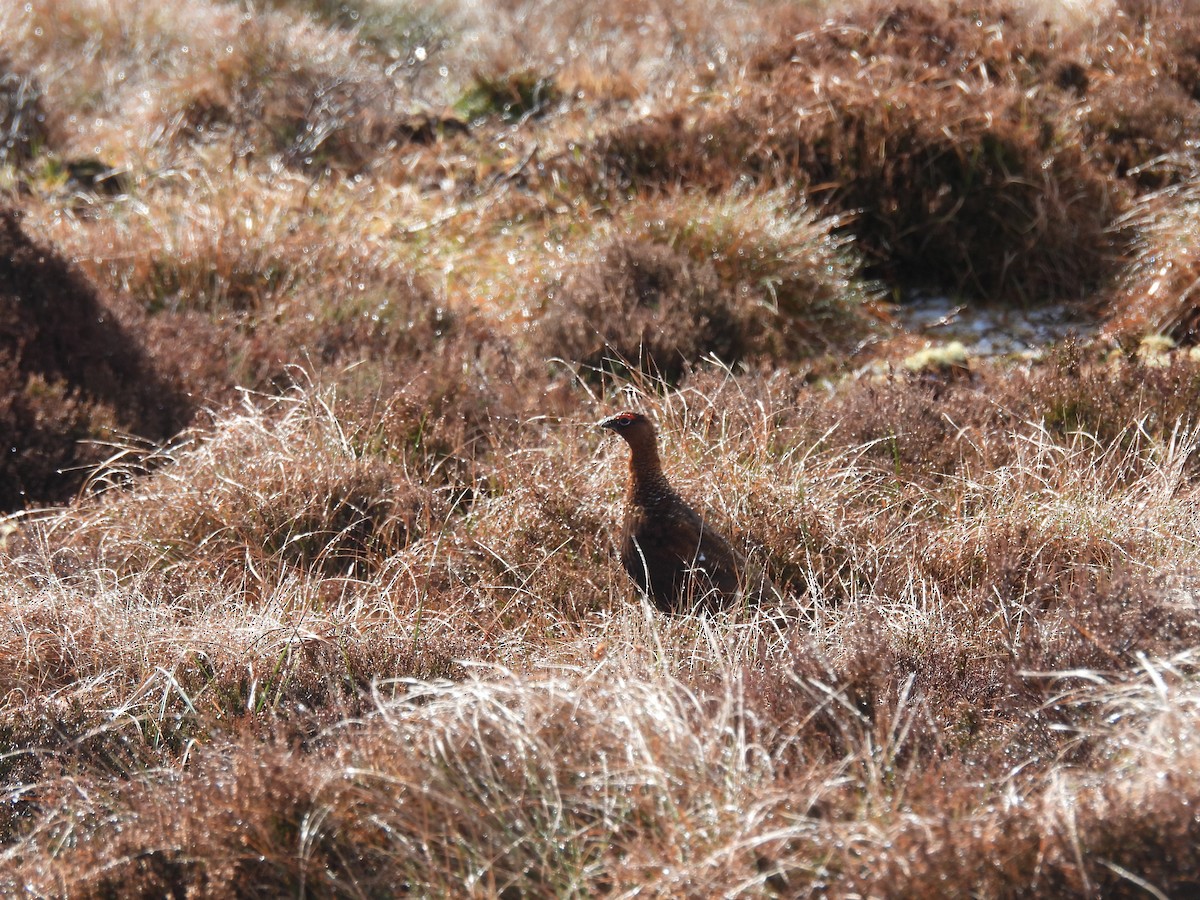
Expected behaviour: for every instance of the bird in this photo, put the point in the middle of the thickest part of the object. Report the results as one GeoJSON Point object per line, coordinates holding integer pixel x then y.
{"type": "Point", "coordinates": [673, 555]}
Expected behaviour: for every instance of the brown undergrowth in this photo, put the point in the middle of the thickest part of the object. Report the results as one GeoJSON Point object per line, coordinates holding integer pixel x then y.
{"type": "Point", "coordinates": [933, 618]}
{"type": "Point", "coordinates": [308, 581]}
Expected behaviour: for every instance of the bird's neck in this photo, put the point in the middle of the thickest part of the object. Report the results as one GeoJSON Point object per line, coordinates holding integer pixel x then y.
{"type": "Point", "coordinates": [648, 485]}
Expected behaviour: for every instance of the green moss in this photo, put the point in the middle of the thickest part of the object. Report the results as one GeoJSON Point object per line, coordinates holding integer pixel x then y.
{"type": "Point", "coordinates": [508, 97]}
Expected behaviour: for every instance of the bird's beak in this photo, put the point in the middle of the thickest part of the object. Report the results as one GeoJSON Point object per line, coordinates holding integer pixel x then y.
{"type": "Point", "coordinates": [606, 423]}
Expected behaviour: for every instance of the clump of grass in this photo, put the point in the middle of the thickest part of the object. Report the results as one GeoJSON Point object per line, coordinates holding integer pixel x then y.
{"type": "Point", "coordinates": [596, 759]}
{"type": "Point", "coordinates": [538, 536]}
{"type": "Point", "coordinates": [641, 305]}
{"type": "Point", "coordinates": [316, 503]}
{"type": "Point", "coordinates": [1137, 122]}
{"type": "Point", "coordinates": [959, 202]}
{"type": "Point", "coordinates": [418, 758]}
{"type": "Point", "coordinates": [309, 96]}
{"type": "Point", "coordinates": [690, 276]}
{"type": "Point", "coordinates": [796, 272]}
{"type": "Point", "coordinates": [1090, 523]}
{"type": "Point", "coordinates": [943, 194]}
{"type": "Point", "coordinates": [1158, 294]}
{"type": "Point", "coordinates": [141, 686]}
{"type": "Point", "coordinates": [418, 40]}
{"type": "Point", "coordinates": [1062, 828]}
{"type": "Point", "coordinates": [24, 128]}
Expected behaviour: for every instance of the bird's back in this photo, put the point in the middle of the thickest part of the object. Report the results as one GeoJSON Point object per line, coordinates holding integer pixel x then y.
{"type": "Point", "coordinates": [677, 558]}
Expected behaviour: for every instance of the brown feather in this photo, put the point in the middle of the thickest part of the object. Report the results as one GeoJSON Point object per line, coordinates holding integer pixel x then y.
{"type": "Point", "coordinates": [667, 548]}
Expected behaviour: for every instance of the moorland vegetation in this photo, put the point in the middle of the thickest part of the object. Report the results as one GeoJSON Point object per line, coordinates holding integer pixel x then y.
{"type": "Point", "coordinates": [309, 581]}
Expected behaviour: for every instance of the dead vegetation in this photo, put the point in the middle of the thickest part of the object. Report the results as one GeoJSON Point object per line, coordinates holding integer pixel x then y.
{"type": "Point", "coordinates": [306, 314]}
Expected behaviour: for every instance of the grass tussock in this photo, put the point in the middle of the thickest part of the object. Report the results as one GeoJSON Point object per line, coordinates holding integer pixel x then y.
{"type": "Point", "coordinates": [336, 496]}
{"type": "Point", "coordinates": [1157, 295]}
{"type": "Point", "coordinates": [687, 277]}
{"type": "Point", "coordinates": [24, 129]}
{"type": "Point", "coordinates": [308, 577]}
{"type": "Point", "coordinates": [956, 153]}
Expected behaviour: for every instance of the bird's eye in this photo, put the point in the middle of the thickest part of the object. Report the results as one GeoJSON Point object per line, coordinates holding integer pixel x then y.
{"type": "Point", "coordinates": [625, 419]}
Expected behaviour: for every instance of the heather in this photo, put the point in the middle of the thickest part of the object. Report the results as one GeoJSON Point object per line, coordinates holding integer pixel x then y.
{"type": "Point", "coordinates": [308, 541]}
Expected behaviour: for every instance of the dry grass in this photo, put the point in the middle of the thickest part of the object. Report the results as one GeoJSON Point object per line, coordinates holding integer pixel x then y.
{"type": "Point", "coordinates": [1158, 294]}
{"type": "Point", "coordinates": [688, 277]}
{"type": "Point", "coordinates": [304, 322]}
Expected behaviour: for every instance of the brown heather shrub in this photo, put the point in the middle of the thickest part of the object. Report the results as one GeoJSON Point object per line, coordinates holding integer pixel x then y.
{"type": "Point", "coordinates": [924, 429]}
{"type": "Point", "coordinates": [938, 484]}
{"type": "Point", "coordinates": [689, 276]}
{"type": "Point", "coordinates": [333, 482]}
{"type": "Point", "coordinates": [910, 427]}
{"type": "Point", "coordinates": [934, 705]}
{"type": "Point", "coordinates": [644, 306]}
{"type": "Point", "coordinates": [916, 696]}
{"type": "Point", "coordinates": [1092, 520]}
{"type": "Point", "coordinates": [1109, 398]}
{"type": "Point", "coordinates": [253, 243]}
{"type": "Point", "coordinates": [390, 319]}
{"type": "Point", "coordinates": [1111, 622]}
{"type": "Point", "coordinates": [542, 535]}
{"type": "Point", "coordinates": [947, 196]}
{"type": "Point", "coordinates": [956, 179]}
{"type": "Point", "coordinates": [1134, 74]}
{"type": "Point", "coordinates": [1170, 38]}
{"type": "Point", "coordinates": [991, 41]}
{"type": "Point", "coordinates": [1134, 127]}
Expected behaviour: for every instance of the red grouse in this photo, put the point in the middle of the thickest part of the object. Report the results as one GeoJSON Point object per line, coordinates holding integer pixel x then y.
{"type": "Point", "coordinates": [666, 546]}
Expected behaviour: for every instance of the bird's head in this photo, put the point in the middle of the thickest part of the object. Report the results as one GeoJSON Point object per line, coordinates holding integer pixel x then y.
{"type": "Point", "coordinates": [634, 427]}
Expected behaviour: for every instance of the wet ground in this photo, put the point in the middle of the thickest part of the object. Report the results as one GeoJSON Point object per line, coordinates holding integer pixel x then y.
{"type": "Point", "coordinates": [991, 330]}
